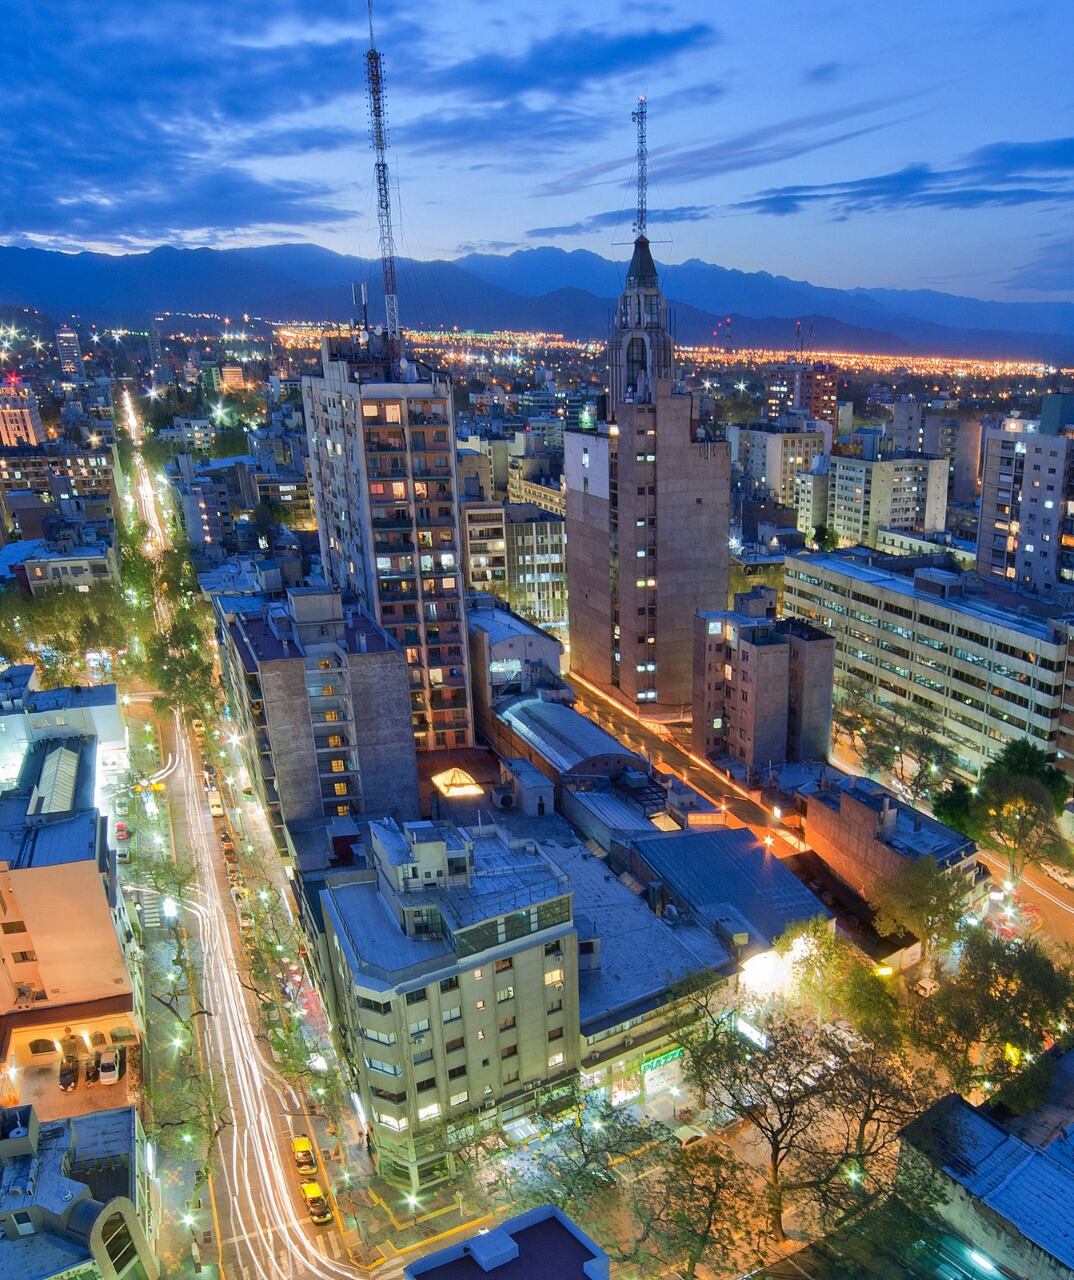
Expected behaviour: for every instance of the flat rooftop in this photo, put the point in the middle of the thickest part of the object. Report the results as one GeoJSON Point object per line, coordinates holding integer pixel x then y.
{"type": "Point", "coordinates": [729, 877]}
{"type": "Point", "coordinates": [533, 1246]}
{"type": "Point", "coordinates": [989, 604]}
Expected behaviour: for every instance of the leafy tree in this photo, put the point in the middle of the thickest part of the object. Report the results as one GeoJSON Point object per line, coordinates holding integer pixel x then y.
{"type": "Point", "coordinates": [825, 539]}
{"type": "Point", "coordinates": [230, 442]}
{"type": "Point", "coordinates": [923, 899]}
{"type": "Point", "coordinates": [993, 1017]}
{"type": "Point", "coordinates": [854, 712]}
{"type": "Point", "coordinates": [910, 748]}
{"type": "Point", "coordinates": [1024, 759]}
{"type": "Point", "coordinates": [1017, 817]}
{"type": "Point", "coordinates": [779, 1091]}
{"type": "Point", "coordinates": [697, 1209]}
{"type": "Point", "coordinates": [956, 805]}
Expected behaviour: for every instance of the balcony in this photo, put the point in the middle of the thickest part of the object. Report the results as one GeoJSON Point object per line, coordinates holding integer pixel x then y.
{"type": "Point", "coordinates": [394, 520]}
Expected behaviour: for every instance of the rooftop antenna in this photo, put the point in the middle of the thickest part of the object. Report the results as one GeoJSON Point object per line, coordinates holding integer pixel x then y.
{"type": "Point", "coordinates": [641, 218]}
{"type": "Point", "coordinates": [798, 338]}
{"type": "Point", "coordinates": [378, 132]}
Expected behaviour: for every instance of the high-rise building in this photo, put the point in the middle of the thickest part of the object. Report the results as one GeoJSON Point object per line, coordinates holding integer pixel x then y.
{"type": "Point", "coordinates": [648, 513]}
{"type": "Point", "coordinates": [20, 417]}
{"type": "Point", "coordinates": [382, 462]}
{"type": "Point", "coordinates": [800, 385]}
{"type": "Point", "coordinates": [1025, 537]}
{"type": "Point", "coordinates": [70, 352]}
{"type": "Point", "coordinates": [942, 431]}
{"type": "Point", "coordinates": [762, 684]}
{"type": "Point", "coordinates": [156, 350]}
{"type": "Point", "coordinates": [517, 552]}
{"type": "Point", "coordinates": [867, 494]}
{"type": "Point", "coordinates": [321, 697]}
{"type": "Point", "coordinates": [771, 455]}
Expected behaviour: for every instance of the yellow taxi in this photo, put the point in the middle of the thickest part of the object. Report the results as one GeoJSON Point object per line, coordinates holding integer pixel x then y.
{"type": "Point", "coordinates": [320, 1210]}
{"type": "Point", "coordinates": [302, 1150]}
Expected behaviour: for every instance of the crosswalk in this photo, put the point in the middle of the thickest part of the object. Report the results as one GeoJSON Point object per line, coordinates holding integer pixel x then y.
{"type": "Point", "coordinates": [150, 913]}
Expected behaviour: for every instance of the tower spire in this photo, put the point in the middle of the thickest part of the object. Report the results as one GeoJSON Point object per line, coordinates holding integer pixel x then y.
{"type": "Point", "coordinates": [378, 132]}
{"type": "Point", "coordinates": [638, 115]}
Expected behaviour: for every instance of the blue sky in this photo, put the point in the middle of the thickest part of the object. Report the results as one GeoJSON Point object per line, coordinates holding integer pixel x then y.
{"type": "Point", "coordinates": [928, 144]}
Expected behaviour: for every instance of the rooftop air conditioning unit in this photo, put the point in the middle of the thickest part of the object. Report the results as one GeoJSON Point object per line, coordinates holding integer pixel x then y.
{"type": "Point", "coordinates": [559, 986]}
{"type": "Point", "coordinates": [628, 1041]}
{"type": "Point", "coordinates": [417, 1040]}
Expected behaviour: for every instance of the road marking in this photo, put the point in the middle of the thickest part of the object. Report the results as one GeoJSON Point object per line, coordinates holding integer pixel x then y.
{"type": "Point", "coordinates": [334, 1245]}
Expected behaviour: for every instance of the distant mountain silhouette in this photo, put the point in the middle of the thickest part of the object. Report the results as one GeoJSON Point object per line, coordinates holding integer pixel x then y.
{"type": "Point", "coordinates": [570, 292]}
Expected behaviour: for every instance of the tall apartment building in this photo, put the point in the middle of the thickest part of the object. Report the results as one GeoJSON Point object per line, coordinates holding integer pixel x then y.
{"type": "Point", "coordinates": [762, 684]}
{"type": "Point", "coordinates": [941, 430]}
{"type": "Point", "coordinates": [801, 385]}
{"type": "Point", "coordinates": [69, 349]}
{"type": "Point", "coordinates": [871, 493]}
{"type": "Point", "coordinates": [517, 551]}
{"type": "Point", "coordinates": [20, 417]}
{"type": "Point", "coordinates": [1025, 537]}
{"type": "Point", "coordinates": [988, 665]}
{"type": "Point", "coordinates": [453, 972]}
{"type": "Point", "coordinates": [771, 455]}
{"type": "Point", "coordinates": [648, 515]}
{"type": "Point", "coordinates": [321, 701]}
{"type": "Point", "coordinates": [62, 469]}
{"type": "Point", "coordinates": [382, 462]}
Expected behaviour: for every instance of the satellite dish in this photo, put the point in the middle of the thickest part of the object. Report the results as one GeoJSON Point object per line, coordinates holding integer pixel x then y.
{"type": "Point", "coordinates": [378, 329]}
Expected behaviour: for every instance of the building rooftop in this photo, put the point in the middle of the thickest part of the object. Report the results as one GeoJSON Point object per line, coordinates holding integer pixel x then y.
{"type": "Point", "coordinates": [565, 738]}
{"type": "Point", "coordinates": [911, 833]}
{"type": "Point", "coordinates": [532, 1246]}
{"type": "Point", "coordinates": [502, 624]}
{"type": "Point", "coordinates": [1031, 1188]}
{"type": "Point", "coordinates": [270, 634]}
{"type": "Point", "coordinates": [730, 879]}
{"type": "Point", "coordinates": [71, 697]}
{"type": "Point", "coordinates": [992, 605]}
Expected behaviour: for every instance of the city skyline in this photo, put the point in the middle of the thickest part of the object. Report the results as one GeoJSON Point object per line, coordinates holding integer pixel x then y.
{"type": "Point", "coordinates": [772, 146]}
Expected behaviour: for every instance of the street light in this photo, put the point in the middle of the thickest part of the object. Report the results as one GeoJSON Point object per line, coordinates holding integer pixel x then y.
{"type": "Point", "coordinates": [169, 908]}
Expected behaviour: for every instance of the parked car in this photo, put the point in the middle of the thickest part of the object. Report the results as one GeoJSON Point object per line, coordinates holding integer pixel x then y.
{"type": "Point", "coordinates": [69, 1073]}
{"type": "Point", "coordinates": [320, 1210]}
{"type": "Point", "coordinates": [216, 805]}
{"type": "Point", "coordinates": [302, 1150]}
{"type": "Point", "coordinates": [110, 1066]}
{"type": "Point", "coordinates": [926, 987]}
{"type": "Point", "coordinates": [226, 842]}
{"type": "Point", "coordinates": [122, 806]}
{"type": "Point", "coordinates": [122, 831]}
{"type": "Point", "coordinates": [199, 728]}
{"type": "Point", "coordinates": [93, 1068]}
{"type": "Point", "coordinates": [1059, 874]}
{"type": "Point", "coordinates": [686, 1135]}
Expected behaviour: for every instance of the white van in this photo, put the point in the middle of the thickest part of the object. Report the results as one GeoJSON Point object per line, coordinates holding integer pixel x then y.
{"type": "Point", "coordinates": [1059, 874]}
{"type": "Point", "coordinates": [216, 805]}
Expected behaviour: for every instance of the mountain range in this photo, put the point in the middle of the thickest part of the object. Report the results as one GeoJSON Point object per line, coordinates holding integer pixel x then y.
{"type": "Point", "coordinates": [548, 289]}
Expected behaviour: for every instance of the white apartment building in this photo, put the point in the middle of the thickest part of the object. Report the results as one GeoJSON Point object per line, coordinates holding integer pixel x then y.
{"type": "Point", "coordinates": [869, 494]}
{"type": "Point", "coordinates": [771, 455]}
{"type": "Point", "coordinates": [988, 666]}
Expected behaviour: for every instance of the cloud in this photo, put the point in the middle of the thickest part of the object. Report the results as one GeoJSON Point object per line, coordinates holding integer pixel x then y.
{"type": "Point", "coordinates": [499, 128]}
{"type": "Point", "coordinates": [570, 60]}
{"type": "Point", "coordinates": [775, 143]}
{"type": "Point", "coordinates": [825, 73]}
{"type": "Point", "coordinates": [487, 246]}
{"type": "Point", "coordinates": [1051, 270]}
{"type": "Point", "coordinates": [1000, 175]}
{"type": "Point", "coordinates": [619, 217]}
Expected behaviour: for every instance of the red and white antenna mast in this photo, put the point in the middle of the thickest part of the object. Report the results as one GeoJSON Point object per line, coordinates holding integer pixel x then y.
{"type": "Point", "coordinates": [378, 132]}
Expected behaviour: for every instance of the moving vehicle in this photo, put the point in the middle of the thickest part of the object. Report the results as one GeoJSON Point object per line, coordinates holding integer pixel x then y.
{"type": "Point", "coordinates": [122, 831]}
{"type": "Point", "coordinates": [69, 1073]}
{"type": "Point", "coordinates": [216, 806]}
{"type": "Point", "coordinates": [302, 1150]}
{"type": "Point", "coordinates": [926, 987]}
{"type": "Point", "coordinates": [320, 1210]}
{"type": "Point", "coordinates": [110, 1066]}
{"type": "Point", "coordinates": [1060, 874]}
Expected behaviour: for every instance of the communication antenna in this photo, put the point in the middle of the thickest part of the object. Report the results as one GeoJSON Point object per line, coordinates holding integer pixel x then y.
{"type": "Point", "coordinates": [638, 115]}
{"type": "Point", "coordinates": [378, 132]}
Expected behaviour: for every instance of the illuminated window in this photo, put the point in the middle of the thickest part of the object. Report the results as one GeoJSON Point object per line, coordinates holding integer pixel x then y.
{"type": "Point", "coordinates": [331, 715]}
{"type": "Point", "coordinates": [343, 810]}
{"type": "Point", "coordinates": [553, 976]}
{"type": "Point", "coordinates": [335, 740]}
{"type": "Point", "coordinates": [337, 765]}
{"type": "Point", "coordinates": [328, 690]}
{"type": "Point", "coordinates": [340, 788]}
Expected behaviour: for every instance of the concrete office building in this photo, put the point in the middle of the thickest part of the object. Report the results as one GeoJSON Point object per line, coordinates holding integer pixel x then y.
{"type": "Point", "coordinates": [871, 493]}
{"type": "Point", "coordinates": [918, 426]}
{"type": "Point", "coordinates": [919, 633]}
{"type": "Point", "coordinates": [517, 551]}
{"type": "Point", "coordinates": [382, 462]}
{"type": "Point", "coordinates": [69, 350]}
{"type": "Point", "coordinates": [1026, 535]}
{"type": "Point", "coordinates": [454, 970]}
{"type": "Point", "coordinates": [811, 496]}
{"type": "Point", "coordinates": [62, 469]}
{"type": "Point", "coordinates": [321, 701]}
{"type": "Point", "coordinates": [802, 385]}
{"type": "Point", "coordinates": [20, 417]}
{"type": "Point", "coordinates": [772, 455]}
{"type": "Point", "coordinates": [648, 498]}
{"type": "Point", "coordinates": [762, 684]}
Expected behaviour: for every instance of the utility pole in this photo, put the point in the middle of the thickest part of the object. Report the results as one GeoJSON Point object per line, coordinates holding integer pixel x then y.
{"type": "Point", "coordinates": [378, 132]}
{"type": "Point", "coordinates": [638, 115]}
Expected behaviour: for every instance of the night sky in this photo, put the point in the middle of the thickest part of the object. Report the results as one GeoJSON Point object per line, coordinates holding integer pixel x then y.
{"type": "Point", "coordinates": [925, 143]}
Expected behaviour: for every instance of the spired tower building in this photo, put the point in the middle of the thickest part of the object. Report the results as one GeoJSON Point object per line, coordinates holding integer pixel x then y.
{"type": "Point", "coordinates": [648, 515]}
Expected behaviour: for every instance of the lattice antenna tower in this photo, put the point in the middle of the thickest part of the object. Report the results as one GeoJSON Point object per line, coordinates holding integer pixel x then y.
{"type": "Point", "coordinates": [639, 116]}
{"type": "Point", "coordinates": [378, 133]}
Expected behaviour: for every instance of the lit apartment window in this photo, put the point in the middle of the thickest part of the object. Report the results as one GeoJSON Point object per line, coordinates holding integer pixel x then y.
{"type": "Point", "coordinates": [556, 1060]}
{"type": "Point", "coordinates": [505, 993]}
{"type": "Point", "coordinates": [331, 716]}
{"type": "Point", "coordinates": [433, 1109]}
{"type": "Point", "coordinates": [552, 977]}
{"type": "Point", "coordinates": [328, 690]}
{"type": "Point", "coordinates": [337, 765]}
{"type": "Point", "coordinates": [340, 788]}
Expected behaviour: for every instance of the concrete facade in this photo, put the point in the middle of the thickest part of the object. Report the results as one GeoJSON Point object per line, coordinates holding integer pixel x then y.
{"type": "Point", "coordinates": [772, 455]}
{"type": "Point", "coordinates": [868, 494]}
{"type": "Point", "coordinates": [20, 418]}
{"type": "Point", "coordinates": [648, 514]}
{"type": "Point", "coordinates": [762, 685]}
